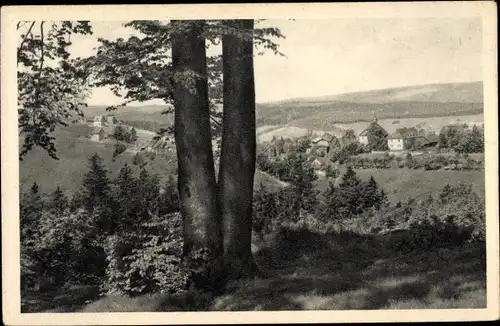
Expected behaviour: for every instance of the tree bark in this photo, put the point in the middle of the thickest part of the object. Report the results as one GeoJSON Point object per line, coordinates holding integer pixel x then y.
{"type": "Point", "coordinates": [196, 172]}
{"type": "Point", "coordinates": [238, 149]}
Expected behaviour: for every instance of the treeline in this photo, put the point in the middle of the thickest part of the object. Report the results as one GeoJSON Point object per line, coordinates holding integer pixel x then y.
{"type": "Point", "coordinates": [125, 134]}
{"type": "Point", "coordinates": [461, 162]}
{"type": "Point", "coordinates": [327, 115]}
{"type": "Point", "coordinates": [462, 139]}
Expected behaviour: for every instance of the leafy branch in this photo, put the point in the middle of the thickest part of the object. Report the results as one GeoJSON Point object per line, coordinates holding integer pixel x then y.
{"type": "Point", "coordinates": [51, 87]}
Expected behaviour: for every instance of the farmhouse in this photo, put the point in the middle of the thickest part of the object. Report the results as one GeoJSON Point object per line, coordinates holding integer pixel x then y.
{"type": "Point", "coordinates": [102, 120]}
{"type": "Point", "coordinates": [97, 121]}
{"type": "Point", "coordinates": [98, 134]}
{"type": "Point", "coordinates": [324, 144]}
{"type": "Point", "coordinates": [373, 130]}
{"type": "Point", "coordinates": [410, 138]}
{"type": "Point", "coordinates": [110, 119]}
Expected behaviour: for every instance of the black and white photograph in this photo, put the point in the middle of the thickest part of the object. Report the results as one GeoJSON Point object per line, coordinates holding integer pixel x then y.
{"type": "Point", "coordinates": [269, 162]}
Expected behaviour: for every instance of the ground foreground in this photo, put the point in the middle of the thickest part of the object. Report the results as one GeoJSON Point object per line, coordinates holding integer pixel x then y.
{"type": "Point", "coordinates": [306, 271]}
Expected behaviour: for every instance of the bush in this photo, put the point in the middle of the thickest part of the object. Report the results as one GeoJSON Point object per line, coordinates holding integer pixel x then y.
{"type": "Point", "coordinates": [147, 260]}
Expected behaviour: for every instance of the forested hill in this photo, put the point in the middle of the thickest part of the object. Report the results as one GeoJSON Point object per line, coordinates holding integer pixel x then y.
{"type": "Point", "coordinates": [441, 93]}
{"type": "Point", "coordinates": [414, 101]}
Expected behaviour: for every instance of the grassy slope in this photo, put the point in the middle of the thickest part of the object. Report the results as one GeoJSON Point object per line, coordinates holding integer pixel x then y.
{"type": "Point", "coordinates": [73, 152]}
{"type": "Point", "coordinates": [313, 272]}
{"type": "Point", "coordinates": [401, 184]}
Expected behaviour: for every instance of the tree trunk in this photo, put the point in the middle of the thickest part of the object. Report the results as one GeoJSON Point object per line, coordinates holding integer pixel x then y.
{"type": "Point", "coordinates": [196, 172]}
{"type": "Point", "coordinates": [238, 149]}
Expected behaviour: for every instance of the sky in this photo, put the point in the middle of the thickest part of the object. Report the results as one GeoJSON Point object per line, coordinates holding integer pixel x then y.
{"type": "Point", "coordinates": [335, 56]}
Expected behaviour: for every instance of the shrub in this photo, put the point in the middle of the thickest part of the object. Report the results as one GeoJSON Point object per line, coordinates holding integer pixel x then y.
{"type": "Point", "coordinates": [147, 260]}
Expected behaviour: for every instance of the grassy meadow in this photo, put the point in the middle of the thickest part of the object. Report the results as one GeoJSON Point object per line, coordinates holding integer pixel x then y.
{"type": "Point", "coordinates": [402, 184]}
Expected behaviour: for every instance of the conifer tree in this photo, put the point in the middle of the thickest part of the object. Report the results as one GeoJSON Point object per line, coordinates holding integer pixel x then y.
{"type": "Point", "coordinates": [126, 197]}
{"type": "Point", "coordinates": [59, 202]}
{"type": "Point", "coordinates": [95, 194]}
{"type": "Point", "coordinates": [369, 194]}
{"type": "Point", "coordinates": [31, 210]}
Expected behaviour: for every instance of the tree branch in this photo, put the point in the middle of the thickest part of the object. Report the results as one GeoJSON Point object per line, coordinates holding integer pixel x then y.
{"type": "Point", "coordinates": [215, 121]}
{"type": "Point", "coordinates": [41, 50]}
{"type": "Point", "coordinates": [24, 40]}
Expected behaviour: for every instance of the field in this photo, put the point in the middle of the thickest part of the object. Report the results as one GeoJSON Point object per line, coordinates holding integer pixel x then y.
{"type": "Point", "coordinates": [401, 184]}
{"type": "Point", "coordinates": [305, 271]}
{"type": "Point", "coordinates": [74, 149]}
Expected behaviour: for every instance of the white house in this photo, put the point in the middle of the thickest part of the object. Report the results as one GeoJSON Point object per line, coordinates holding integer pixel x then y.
{"type": "Point", "coordinates": [396, 142]}
{"type": "Point", "coordinates": [410, 138]}
{"type": "Point", "coordinates": [363, 137]}
{"type": "Point", "coordinates": [97, 121]}
{"type": "Point", "coordinates": [98, 134]}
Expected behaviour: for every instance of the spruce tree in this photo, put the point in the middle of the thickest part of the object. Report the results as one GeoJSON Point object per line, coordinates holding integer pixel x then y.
{"type": "Point", "coordinates": [31, 210]}
{"type": "Point", "coordinates": [126, 197]}
{"type": "Point", "coordinates": [95, 194]}
{"type": "Point", "coordinates": [369, 194]}
{"type": "Point", "coordinates": [59, 202]}
{"type": "Point", "coordinates": [150, 200]}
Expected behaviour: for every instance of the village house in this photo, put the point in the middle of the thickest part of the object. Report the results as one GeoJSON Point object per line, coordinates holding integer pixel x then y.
{"type": "Point", "coordinates": [319, 146]}
{"type": "Point", "coordinates": [372, 129]}
{"type": "Point", "coordinates": [410, 138]}
{"type": "Point", "coordinates": [97, 121]}
{"type": "Point", "coordinates": [98, 134]}
{"type": "Point", "coordinates": [110, 120]}
{"type": "Point", "coordinates": [324, 144]}
{"type": "Point", "coordinates": [102, 120]}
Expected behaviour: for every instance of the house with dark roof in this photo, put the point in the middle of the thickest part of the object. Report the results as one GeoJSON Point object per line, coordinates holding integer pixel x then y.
{"type": "Point", "coordinates": [373, 130]}
{"type": "Point", "coordinates": [410, 138]}
{"type": "Point", "coordinates": [324, 144]}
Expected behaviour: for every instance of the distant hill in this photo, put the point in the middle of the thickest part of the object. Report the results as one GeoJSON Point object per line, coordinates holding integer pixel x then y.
{"type": "Point", "coordinates": [420, 101]}
{"type": "Point", "coordinates": [326, 112]}
{"type": "Point", "coordinates": [471, 92]}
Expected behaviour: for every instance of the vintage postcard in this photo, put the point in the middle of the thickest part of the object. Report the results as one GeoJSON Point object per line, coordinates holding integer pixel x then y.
{"type": "Point", "coordinates": [256, 163]}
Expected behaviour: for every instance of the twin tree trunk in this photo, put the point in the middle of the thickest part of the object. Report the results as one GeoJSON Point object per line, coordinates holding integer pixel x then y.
{"type": "Point", "coordinates": [237, 162]}
{"type": "Point", "coordinates": [217, 217]}
{"type": "Point", "coordinates": [196, 172]}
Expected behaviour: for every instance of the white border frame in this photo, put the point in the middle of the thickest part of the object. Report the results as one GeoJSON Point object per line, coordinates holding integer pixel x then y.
{"type": "Point", "coordinates": [10, 163]}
